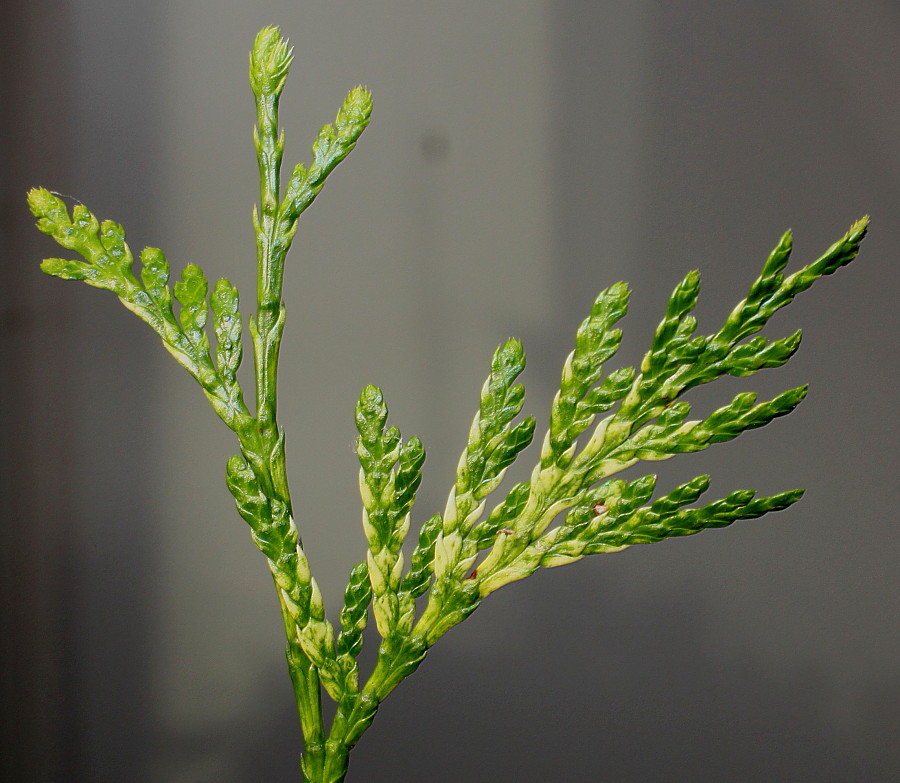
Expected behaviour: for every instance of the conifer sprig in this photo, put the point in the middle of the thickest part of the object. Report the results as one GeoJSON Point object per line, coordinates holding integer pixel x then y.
{"type": "Point", "coordinates": [650, 422]}
{"type": "Point", "coordinates": [568, 509]}
{"type": "Point", "coordinates": [107, 263]}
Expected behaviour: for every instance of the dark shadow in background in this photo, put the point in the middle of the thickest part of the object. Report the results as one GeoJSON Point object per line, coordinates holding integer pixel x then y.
{"type": "Point", "coordinates": [40, 737]}
{"type": "Point", "coordinates": [77, 546]}
{"type": "Point", "coordinates": [612, 687]}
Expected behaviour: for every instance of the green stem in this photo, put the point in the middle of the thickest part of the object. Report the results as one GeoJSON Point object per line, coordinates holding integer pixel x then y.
{"type": "Point", "coordinates": [266, 452]}
{"type": "Point", "coordinates": [270, 262]}
{"type": "Point", "coordinates": [356, 713]}
{"type": "Point", "coordinates": [305, 680]}
{"type": "Point", "coordinates": [264, 501]}
{"type": "Point", "coordinates": [291, 582]}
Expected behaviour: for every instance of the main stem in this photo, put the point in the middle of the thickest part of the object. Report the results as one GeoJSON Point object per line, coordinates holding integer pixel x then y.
{"type": "Point", "coordinates": [267, 331]}
{"type": "Point", "coordinates": [270, 254]}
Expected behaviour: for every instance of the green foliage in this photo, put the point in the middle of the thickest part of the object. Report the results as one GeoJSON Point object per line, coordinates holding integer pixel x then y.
{"type": "Point", "coordinates": [579, 399]}
{"type": "Point", "coordinates": [354, 618]}
{"type": "Point", "coordinates": [390, 474]}
{"type": "Point", "coordinates": [568, 509]}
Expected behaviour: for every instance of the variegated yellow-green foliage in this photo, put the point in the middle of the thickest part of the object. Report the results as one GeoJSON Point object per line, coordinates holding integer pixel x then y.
{"type": "Point", "coordinates": [568, 509]}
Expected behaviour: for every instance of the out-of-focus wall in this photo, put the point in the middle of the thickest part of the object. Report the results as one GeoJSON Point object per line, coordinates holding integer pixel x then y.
{"type": "Point", "coordinates": [521, 157]}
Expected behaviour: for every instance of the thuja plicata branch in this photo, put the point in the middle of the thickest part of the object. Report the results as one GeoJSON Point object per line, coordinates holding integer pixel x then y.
{"type": "Point", "coordinates": [569, 508]}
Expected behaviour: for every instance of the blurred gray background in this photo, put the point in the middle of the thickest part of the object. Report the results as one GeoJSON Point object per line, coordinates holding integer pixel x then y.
{"type": "Point", "coordinates": [522, 156]}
